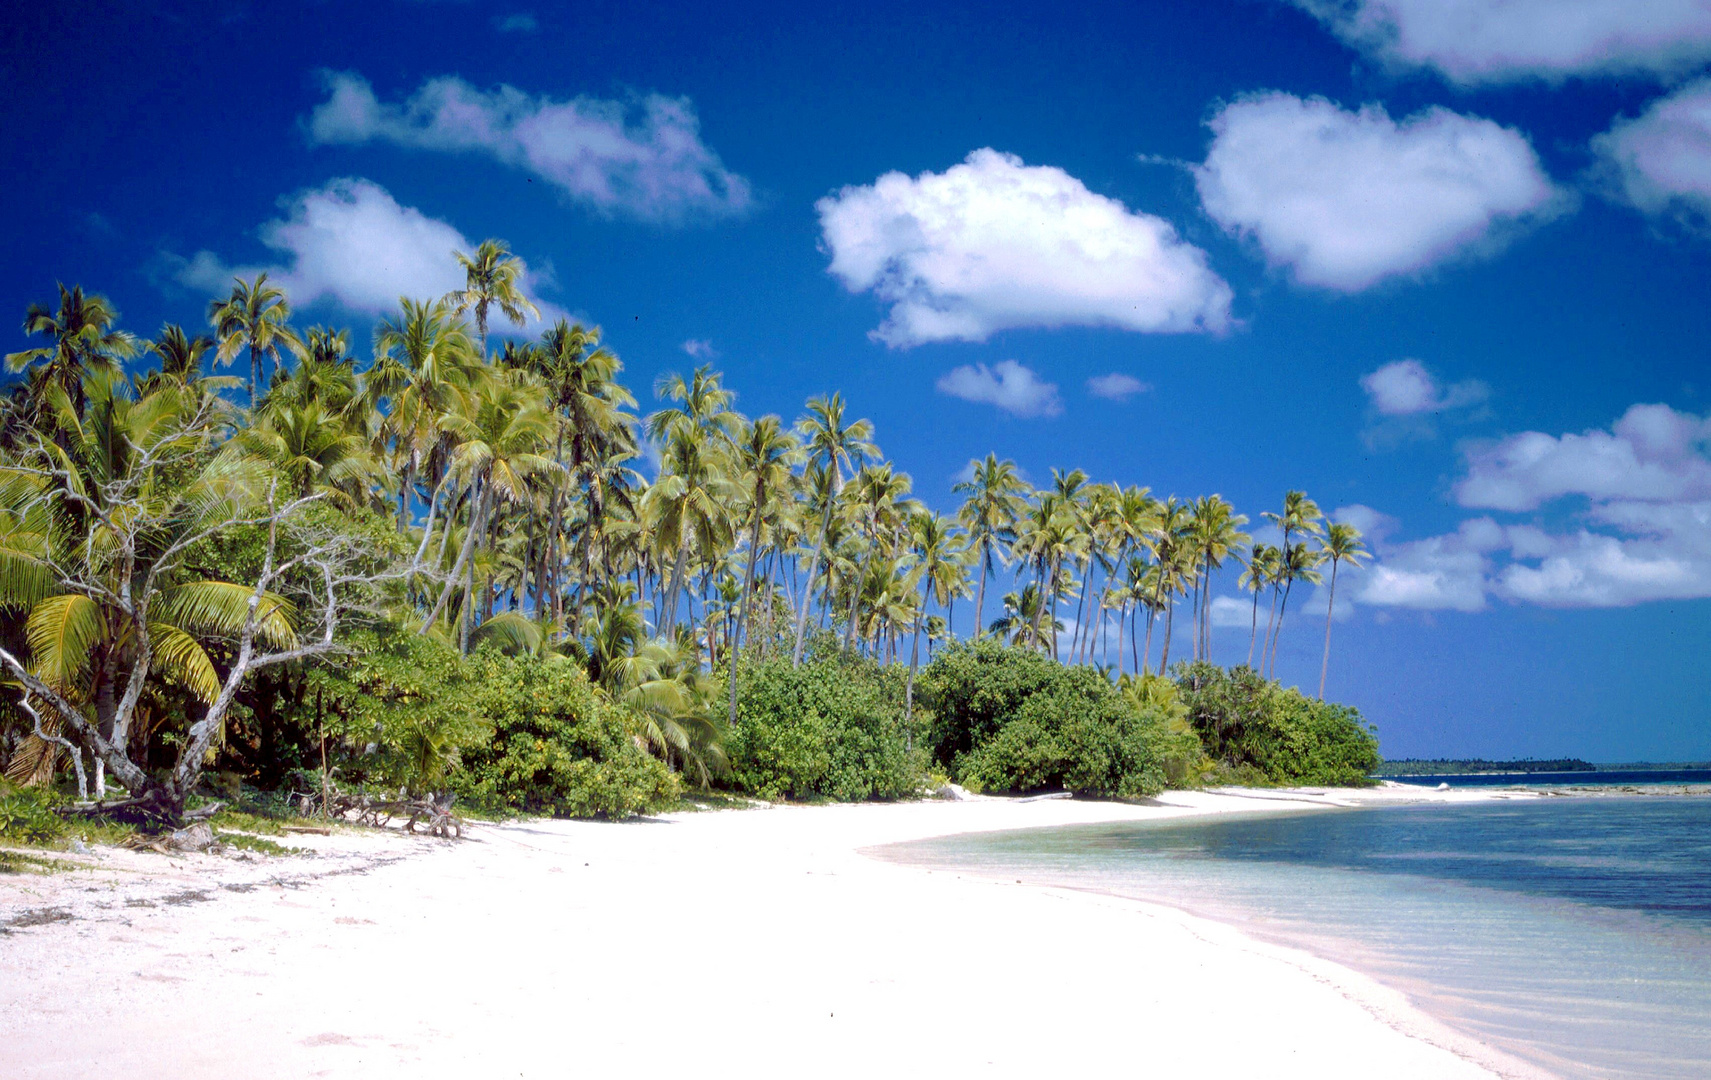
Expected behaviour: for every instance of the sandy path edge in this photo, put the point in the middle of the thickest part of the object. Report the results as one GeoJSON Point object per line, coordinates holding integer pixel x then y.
{"type": "Point", "coordinates": [733, 942]}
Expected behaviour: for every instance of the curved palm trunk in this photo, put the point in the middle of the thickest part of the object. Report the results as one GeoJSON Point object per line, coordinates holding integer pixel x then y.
{"type": "Point", "coordinates": [1169, 628]}
{"type": "Point", "coordinates": [1057, 568]}
{"type": "Point", "coordinates": [860, 582]}
{"type": "Point", "coordinates": [1270, 625]}
{"type": "Point", "coordinates": [980, 594]}
{"type": "Point", "coordinates": [1330, 606]}
{"type": "Point", "coordinates": [1282, 609]}
{"type": "Point", "coordinates": [674, 591]}
{"type": "Point", "coordinates": [808, 593]}
{"type": "Point", "coordinates": [476, 513]}
{"type": "Point", "coordinates": [915, 655]}
{"type": "Point", "coordinates": [1253, 631]}
{"type": "Point", "coordinates": [1147, 652]}
{"type": "Point", "coordinates": [742, 612]}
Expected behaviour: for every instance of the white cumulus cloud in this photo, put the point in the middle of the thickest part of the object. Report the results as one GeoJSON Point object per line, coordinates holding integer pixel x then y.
{"type": "Point", "coordinates": [1644, 534]}
{"type": "Point", "coordinates": [1652, 453]}
{"type": "Point", "coordinates": [1661, 160]}
{"type": "Point", "coordinates": [1484, 41]}
{"type": "Point", "coordinates": [994, 244]}
{"type": "Point", "coordinates": [1346, 199]}
{"type": "Point", "coordinates": [350, 243]}
{"type": "Point", "coordinates": [1006, 384]}
{"type": "Point", "coordinates": [643, 159]}
{"type": "Point", "coordinates": [1116, 386]}
{"type": "Point", "coordinates": [1406, 388]}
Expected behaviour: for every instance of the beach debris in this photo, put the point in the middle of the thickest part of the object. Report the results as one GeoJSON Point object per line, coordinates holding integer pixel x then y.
{"type": "Point", "coordinates": [1443, 787]}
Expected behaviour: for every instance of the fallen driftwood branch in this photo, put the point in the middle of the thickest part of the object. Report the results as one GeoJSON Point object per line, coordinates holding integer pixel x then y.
{"type": "Point", "coordinates": [314, 829]}
{"type": "Point", "coordinates": [432, 815]}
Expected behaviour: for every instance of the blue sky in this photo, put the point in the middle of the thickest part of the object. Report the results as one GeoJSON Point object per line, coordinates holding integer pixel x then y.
{"type": "Point", "coordinates": [1444, 265]}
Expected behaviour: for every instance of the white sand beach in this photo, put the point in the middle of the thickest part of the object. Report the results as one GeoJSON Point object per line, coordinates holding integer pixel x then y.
{"type": "Point", "coordinates": [731, 943]}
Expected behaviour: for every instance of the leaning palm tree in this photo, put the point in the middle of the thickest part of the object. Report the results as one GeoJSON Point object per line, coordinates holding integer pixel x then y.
{"type": "Point", "coordinates": [834, 445]}
{"type": "Point", "coordinates": [765, 455]}
{"type": "Point", "coordinates": [256, 317]}
{"type": "Point", "coordinates": [80, 337]}
{"type": "Point", "coordinates": [1342, 544]}
{"type": "Point", "coordinates": [997, 497]}
{"type": "Point", "coordinates": [1297, 563]}
{"type": "Point", "coordinates": [492, 276]}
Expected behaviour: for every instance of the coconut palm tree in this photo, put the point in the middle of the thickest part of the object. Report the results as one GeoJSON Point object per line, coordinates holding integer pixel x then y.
{"type": "Point", "coordinates": [80, 337]}
{"type": "Point", "coordinates": [832, 445]}
{"type": "Point", "coordinates": [180, 357]}
{"type": "Point", "coordinates": [765, 455]}
{"type": "Point", "coordinates": [1259, 572]}
{"type": "Point", "coordinates": [424, 366]}
{"type": "Point", "coordinates": [997, 497]}
{"type": "Point", "coordinates": [690, 503]}
{"type": "Point", "coordinates": [256, 316]}
{"type": "Point", "coordinates": [1300, 515]}
{"type": "Point", "coordinates": [941, 557]}
{"type": "Point", "coordinates": [492, 276]}
{"type": "Point", "coordinates": [581, 381]}
{"type": "Point", "coordinates": [500, 430]}
{"type": "Point", "coordinates": [878, 496]}
{"type": "Point", "coordinates": [1216, 535]}
{"type": "Point", "coordinates": [1342, 544]}
{"type": "Point", "coordinates": [1297, 563]}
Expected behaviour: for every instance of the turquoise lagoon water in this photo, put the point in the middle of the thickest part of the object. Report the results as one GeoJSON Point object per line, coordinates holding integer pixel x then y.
{"type": "Point", "coordinates": [1574, 932]}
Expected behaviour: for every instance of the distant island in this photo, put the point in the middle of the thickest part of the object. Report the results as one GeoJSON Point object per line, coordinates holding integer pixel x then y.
{"type": "Point", "coordinates": [1447, 767]}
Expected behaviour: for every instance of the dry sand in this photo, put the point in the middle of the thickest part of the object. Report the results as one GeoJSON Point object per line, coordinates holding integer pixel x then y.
{"type": "Point", "coordinates": [734, 943]}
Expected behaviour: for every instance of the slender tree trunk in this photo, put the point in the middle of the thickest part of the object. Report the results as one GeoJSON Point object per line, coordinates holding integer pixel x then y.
{"type": "Point", "coordinates": [1147, 654]}
{"type": "Point", "coordinates": [1330, 606]}
{"type": "Point", "coordinates": [673, 591]}
{"type": "Point", "coordinates": [808, 593]}
{"type": "Point", "coordinates": [861, 582]}
{"type": "Point", "coordinates": [980, 594]}
{"type": "Point", "coordinates": [1253, 631]}
{"type": "Point", "coordinates": [915, 656]}
{"type": "Point", "coordinates": [1270, 623]}
{"type": "Point", "coordinates": [1056, 570]}
{"type": "Point", "coordinates": [742, 612]}
{"type": "Point", "coordinates": [463, 557]}
{"type": "Point", "coordinates": [1282, 610]}
{"type": "Point", "coordinates": [1169, 628]}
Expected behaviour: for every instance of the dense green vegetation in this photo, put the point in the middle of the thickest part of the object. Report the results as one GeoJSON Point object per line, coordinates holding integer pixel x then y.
{"type": "Point", "coordinates": [437, 568]}
{"type": "Point", "coordinates": [1448, 766]}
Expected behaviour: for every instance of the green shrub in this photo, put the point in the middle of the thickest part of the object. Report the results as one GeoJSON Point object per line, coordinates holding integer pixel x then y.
{"type": "Point", "coordinates": [829, 729]}
{"type": "Point", "coordinates": [1007, 719]}
{"type": "Point", "coordinates": [26, 817]}
{"type": "Point", "coordinates": [1257, 731]}
{"type": "Point", "coordinates": [556, 746]}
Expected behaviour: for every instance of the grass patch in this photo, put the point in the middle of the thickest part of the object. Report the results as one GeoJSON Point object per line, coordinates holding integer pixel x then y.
{"type": "Point", "coordinates": [258, 844]}
{"type": "Point", "coordinates": [692, 801]}
{"type": "Point", "coordinates": [19, 862]}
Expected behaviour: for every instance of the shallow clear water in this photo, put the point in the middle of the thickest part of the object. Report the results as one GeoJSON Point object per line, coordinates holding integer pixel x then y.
{"type": "Point", "coordinates": [1573, 932]}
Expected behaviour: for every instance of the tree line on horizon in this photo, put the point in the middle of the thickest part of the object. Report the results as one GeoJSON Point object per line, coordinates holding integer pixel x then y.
{"type": "Point", "coordinates": [491, 493]}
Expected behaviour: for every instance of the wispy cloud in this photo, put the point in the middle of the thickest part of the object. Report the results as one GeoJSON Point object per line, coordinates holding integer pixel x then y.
{"type": "Point", "coordinates": [700, 349]}
{"type": "Point", "coordinates": [1007, 385]}
{"type": "Point", "coordinates": [642, 159]}
{"type": "Point", "coordinates": [1490, 41]}
{"type": "Point", "coordinates": [1116, 386]}
{"type": "Point", "coordinates": [520, 23]}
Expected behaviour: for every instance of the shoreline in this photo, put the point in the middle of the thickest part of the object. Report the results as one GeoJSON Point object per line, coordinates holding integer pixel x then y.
{"type": "Point", "coordinates": [399, 956]}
